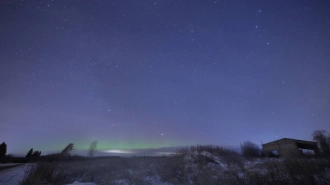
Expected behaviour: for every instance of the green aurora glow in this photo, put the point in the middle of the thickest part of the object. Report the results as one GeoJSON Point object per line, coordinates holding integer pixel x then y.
{"type": "Point", "coordinates": [120, 145]}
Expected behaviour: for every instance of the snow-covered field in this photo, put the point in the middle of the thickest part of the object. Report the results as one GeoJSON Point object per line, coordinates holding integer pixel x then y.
{"type": "Point", "coordinates": [13, 175]}
{"type": "Point", "coordinates": [81, 183]}
{"type": "Point", "coordinates": [190, 166]}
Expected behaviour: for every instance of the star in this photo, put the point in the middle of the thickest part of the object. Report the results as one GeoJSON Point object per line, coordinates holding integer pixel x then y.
{"type": "Point", "coordinates": [203, 74]}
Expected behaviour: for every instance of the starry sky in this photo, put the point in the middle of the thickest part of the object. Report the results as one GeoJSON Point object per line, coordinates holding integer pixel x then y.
{"type": "Point", "coordinates": [162, 73]}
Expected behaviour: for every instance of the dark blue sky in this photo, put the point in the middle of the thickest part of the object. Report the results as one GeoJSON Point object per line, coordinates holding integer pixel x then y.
{"type": "Point", "coordinates": [140, 74]}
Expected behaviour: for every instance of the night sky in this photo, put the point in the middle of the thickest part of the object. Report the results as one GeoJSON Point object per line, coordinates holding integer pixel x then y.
{"type": "Point", "coordinates": [146, 74]}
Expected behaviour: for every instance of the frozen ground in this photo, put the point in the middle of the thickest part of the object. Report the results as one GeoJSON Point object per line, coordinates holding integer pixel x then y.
{"type": "Point", "coordinates": [13, 175]}
{"type": "Point", "coordinates": [82, 183]}
{"type": "Point", "coordinates": [195, 165]}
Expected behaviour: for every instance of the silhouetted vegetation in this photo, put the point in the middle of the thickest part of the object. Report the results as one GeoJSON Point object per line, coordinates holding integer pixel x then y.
{"type": "Point", "coordinates": [36, 153]}
{"type": "Point", "coordinates": [67, 149]}
{"type": "Point", "coordinates": [3, 149]}
{"type": "Point", "coordinates": [33, 156]}
{"type": "Point", "coordinates": [191, 165]}
{"type": "Point", "coordinates": [323, 141]}
{"type": "Point", "coordinates": [44, 173]}
{"type": "Point", "coordinates": [201, 164]}
{"type": "Point", "coordinates": [92, 148]}
{"type": "Point", "coordinates": [61, 158]}
{"type": "Point", "coordinates": [250, 149]}
{"type": "Point", "coordinates": [29, 154]}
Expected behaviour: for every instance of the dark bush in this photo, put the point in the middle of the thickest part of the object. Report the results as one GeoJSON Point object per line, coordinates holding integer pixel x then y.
{"type": "Point", "coordinates": [3, 149]}
{"type": "Point", "coordinates": [250, 149]}
{"type": "Point", "coordinates": [44, 173]}
{"type": "Point", "coordinates": [173, 170]}
{"type": "Point", "coordinates": [323, 142]}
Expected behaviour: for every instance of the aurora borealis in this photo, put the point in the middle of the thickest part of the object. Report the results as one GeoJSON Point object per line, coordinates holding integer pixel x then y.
{"type": "Point", "coordinates": [161, 73]}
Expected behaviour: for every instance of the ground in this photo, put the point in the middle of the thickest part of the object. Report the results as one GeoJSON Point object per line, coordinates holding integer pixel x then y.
{"type": "Point", "coordinates": [195, 165]}
{"type": "Point", "coordinates": [12, 175]}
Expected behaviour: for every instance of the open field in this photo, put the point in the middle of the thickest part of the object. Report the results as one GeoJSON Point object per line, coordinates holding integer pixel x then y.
{"type": "Point", "coordinates": [190, 166]}
{"type": "Point", "coordinates": [8, 166]}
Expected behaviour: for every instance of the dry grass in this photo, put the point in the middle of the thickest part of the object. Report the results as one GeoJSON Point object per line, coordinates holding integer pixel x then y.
{"type": "Point", "coordinates": [194, 165]}
{"type": "Point", "coordinates": [44, 173]}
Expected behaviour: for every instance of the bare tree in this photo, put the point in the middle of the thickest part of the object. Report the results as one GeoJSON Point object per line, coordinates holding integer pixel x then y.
{"type": "Point", "coordinates": [323, 141]}
{"type": "Point", "coordinates": [92, 148]}
{"type": "Point", "coordinates": [67, 149]}
{"type": "Point", "coordinates": [36, 154]}
{"type": "Point", "coordinates": [3, 149]}
{"type": "Point", "coordinates": [250, 149]}
{"type": "Point", "coordinates": [29, 154]}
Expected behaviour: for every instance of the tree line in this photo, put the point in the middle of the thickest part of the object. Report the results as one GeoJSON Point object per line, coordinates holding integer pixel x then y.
{"type": "Point", "coordinates": [250, 149]}
{"type": "Point", "coordinates": [33, 155]}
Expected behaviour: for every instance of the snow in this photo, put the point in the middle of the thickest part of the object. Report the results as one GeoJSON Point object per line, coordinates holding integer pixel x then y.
{"type": "Point", "coordinates": [153, 181]}
{"type": "Point", "coordinates": [13, 175]}
{"type": "Point", "coordinates": [156, 181]}
{"type": "Point", "coordinates": [81, 183]}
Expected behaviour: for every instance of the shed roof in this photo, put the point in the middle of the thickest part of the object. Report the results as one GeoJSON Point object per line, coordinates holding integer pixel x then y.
{"type": "Point", "coordinates": [301, 142]}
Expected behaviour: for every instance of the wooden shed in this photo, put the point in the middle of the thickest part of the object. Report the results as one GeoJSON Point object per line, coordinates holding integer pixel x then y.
{"type": "Point", "coordinates": [287, 147]}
